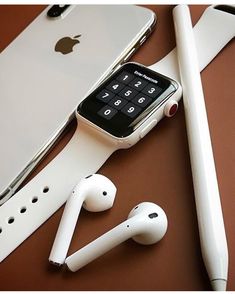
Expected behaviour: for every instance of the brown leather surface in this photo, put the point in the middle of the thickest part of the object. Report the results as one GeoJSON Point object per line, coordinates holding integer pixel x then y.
{"type": "Point", "coordinates": [157, 169]}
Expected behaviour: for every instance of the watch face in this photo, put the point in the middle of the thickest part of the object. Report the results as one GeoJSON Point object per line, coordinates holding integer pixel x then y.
{"type": "Point", "coordinates": [125, 100]}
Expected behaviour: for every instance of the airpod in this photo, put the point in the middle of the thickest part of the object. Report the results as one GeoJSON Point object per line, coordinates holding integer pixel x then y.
{"type": "Point", "coordinates": [95, 193]}
{"type": "Point", "coordinates": [146, 224]}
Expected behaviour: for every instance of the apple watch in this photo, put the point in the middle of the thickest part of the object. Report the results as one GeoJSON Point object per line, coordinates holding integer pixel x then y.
{"type": "Point", "coordinates": [120, 112]}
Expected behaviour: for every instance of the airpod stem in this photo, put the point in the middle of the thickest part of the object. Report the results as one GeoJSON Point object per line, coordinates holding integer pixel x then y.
{"type": "Point", "coordinates": [101, 245]}
{"type": "Point", "coordinates": [66, 228]}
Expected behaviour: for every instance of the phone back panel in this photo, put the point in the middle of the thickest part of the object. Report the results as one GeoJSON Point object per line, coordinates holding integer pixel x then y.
{"type": "Point", "coordinates": [40, 87]}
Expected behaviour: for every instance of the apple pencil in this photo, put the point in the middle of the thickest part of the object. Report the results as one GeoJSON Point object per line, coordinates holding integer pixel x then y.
{"type": "Point", "coordinates": [208, 206]}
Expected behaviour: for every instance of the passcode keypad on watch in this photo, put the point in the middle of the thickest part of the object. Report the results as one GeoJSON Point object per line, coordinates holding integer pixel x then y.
{"type": "Point", "coordinates": [128, 94]}
{"type": "Point", "coordinates": [122, 102]}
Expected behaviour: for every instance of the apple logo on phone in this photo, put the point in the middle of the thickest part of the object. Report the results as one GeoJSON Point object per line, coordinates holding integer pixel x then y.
{"type": "Point", "coordinates": [66, 44]}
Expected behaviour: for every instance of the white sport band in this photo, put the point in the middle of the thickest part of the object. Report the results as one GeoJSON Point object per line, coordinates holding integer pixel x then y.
{"type": "Point", "coordinates": [87, 151]}
{"type": "Point", "coordinates": [21, 215]}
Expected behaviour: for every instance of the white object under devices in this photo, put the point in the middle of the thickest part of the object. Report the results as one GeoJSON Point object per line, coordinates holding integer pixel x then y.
{"type": "Point", "coordinates": [42, 80]}
{"type": "Point", "coordinates": [209, 211]}
{"type": "Point", "coordinates": [95, 193]}
{"type": "Point", "coordinates": [146, 224]}
{"type": "Point", "coordinates": [91, 146]}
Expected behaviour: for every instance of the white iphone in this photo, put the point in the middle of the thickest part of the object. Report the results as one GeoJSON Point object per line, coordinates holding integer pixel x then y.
{"type": "Point", "coordinates": [49, 68]}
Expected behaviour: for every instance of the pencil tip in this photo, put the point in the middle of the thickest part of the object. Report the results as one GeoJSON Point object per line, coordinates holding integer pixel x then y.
{"type": "Point", "coordinates": [219, 285]}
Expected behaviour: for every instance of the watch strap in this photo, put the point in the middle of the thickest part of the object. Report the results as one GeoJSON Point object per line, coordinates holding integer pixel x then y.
{"type": "Point", "coordinates": [212, 32]}
{"type": "Point", "coordinates": [21, 215]}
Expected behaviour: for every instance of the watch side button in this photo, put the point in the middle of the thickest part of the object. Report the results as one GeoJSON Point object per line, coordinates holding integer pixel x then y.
{"type": "Point", "coordinates": [171, 108]}
{"type": "Point", "coordinates": [148, 128]}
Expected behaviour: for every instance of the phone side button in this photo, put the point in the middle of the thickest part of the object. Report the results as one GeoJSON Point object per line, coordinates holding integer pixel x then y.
{"type": "Point", "coordinates": [148, 128]}
{"type": "Point", "coordinates": [143, 40]}
{"type": "Point", "coordinates": [129, 55]}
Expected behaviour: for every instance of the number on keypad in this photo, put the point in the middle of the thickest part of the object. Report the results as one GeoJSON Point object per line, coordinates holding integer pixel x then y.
{"type": "Point", "coordinates": [142, 100]}
{"type": "Point", "coordinates": [131, 110]}
{"type": "Point", "coordinates": [138, 84]}
{"type": "Point", "coordinates": [152, 90]}
{"type": "Point", "coordinates": [115, 86]}
{"type": "Point", "coordinates": [118, 102]}
{"type": "Point", "coordinates": [128, 93]}
{"type": "Point", "coordinates": [105, 96]}
{"type": "Point", "coordinates": [107, 112]}
{"type": "Point", "coordinates": [125, 77]}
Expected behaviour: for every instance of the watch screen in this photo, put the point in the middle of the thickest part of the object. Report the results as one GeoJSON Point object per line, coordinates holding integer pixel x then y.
{"type": "Point", "coordinates": [126, 98]}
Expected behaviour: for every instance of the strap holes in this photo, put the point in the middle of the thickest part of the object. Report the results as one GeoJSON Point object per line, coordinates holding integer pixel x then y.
{"type": "Point", "coordinates": [45, 189]}
{"type": "Point", "coordinates": [35, 199]}
{"type": "Point", "coordinates": [0, 230]}
{"type": "Point", "coordinates": [11, 220]}
{"type": "Point", "coordinates": [23, 209]}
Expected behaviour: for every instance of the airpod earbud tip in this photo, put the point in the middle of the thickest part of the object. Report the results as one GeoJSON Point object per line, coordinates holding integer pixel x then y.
{"type": "Point", "coordinates": [156, 222]}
